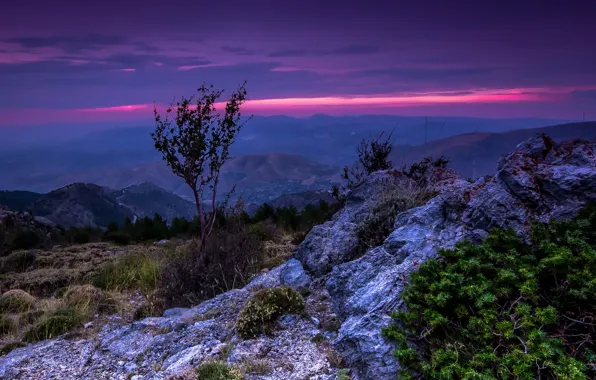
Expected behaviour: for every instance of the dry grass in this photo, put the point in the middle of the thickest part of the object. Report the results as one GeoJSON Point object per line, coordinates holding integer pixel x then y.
{"type": "Point", "coordinates": [189, 374]}
{"type": "Point", "coordinates": [63, 266]}
{"type": "Point", "coordinates": [16, 301]}
{"type": "Point", "coordinates": [377, 226]}
{"type": "Point", "coordinates": [256, 366]}
{"type": "Point", "coordinates": [61, 300]}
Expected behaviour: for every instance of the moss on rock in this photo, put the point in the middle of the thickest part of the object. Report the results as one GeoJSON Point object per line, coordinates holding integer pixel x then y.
{"type": "Point", "coordinates": [265, 307]}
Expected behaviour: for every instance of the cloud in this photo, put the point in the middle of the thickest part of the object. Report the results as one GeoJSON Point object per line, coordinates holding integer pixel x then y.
{"type": "Point", "coordinates": [69, 44]}
{"type": "Point", "coordinates": [584, 94]}
{"type": "Point", "coordinates": [139, 60]}
{"type": "Point", "coordinates": [288, 53]}
{"type": "Point", "coordinates": [342, 50]}
{"type": "Point", "coordinates": [237, 50]}
{"type": "Point", "coordinates": [352, 50]}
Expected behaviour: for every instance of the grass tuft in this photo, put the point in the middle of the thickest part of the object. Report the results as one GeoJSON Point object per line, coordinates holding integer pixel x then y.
{"type": "Point", "coordinates": [265, 307]}
{"type": "Point", "coordinates": [16, 301]}
{"type": "Point", "coordinates": [131, 271]}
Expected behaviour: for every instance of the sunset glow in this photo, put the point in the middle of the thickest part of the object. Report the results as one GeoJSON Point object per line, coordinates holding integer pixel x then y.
{"type": "Point", "coordinates": [79, 65]}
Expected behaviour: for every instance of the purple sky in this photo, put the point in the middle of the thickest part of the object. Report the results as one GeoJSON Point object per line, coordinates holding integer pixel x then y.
{"type": "Point", "coordinates": [108, 60]}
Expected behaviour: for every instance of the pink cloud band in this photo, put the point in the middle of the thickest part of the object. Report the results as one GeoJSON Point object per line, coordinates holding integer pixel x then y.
{"type": "Point", "coordinates": [295, 106]}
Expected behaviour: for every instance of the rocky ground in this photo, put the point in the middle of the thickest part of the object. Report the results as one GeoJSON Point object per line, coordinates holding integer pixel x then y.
{"type": "Point", "coordinates": [154, 348]}
{"type": "Point", "coordinates": [350, 292]}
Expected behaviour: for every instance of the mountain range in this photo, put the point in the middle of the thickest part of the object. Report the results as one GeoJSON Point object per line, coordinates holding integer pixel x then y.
{"type": "Point", "coordinates": [273, 157]}
{"type": "Point", "coordinates": [91, 205]}
{"type": "Point", "coordinates": [475, 154]}
{"type": "Point", "coordinates": [43, 158]}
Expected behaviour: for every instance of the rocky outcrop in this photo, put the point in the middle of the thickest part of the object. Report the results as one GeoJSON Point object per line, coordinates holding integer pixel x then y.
{"type": "Point", "coordinates": [539, 180]}
{"type": "Point", "coordinates": [333, 242]}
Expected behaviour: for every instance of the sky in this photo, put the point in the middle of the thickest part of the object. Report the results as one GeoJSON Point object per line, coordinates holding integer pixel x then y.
{"type": "Point", "coordinates": [96, 61]}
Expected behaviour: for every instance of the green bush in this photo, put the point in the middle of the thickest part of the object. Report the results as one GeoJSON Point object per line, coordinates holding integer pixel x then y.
{"type": "Point", "coordinates": [504, 309]}
{"type": "Point", "coordinates": [259, 314]}
{"type": "Point", "coordinates": [217, 371]}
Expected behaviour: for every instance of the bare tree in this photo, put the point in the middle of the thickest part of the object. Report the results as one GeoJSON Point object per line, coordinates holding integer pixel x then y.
{"type": "Point", "coordinates": [194, 140]}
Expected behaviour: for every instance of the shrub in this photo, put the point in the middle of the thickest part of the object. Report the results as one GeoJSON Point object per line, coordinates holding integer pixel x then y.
{"type": "Point", "coordinates": [373, 155]}
{"type": "Point", "coordinates": [131, 271]}
{"type": "Point", "coordinates": [344, 374]}
{"type": "Point", "coordinates": [16, 301]}
{"type": "Point", "coordinates": [265, 307]}
{"type": "Point", "coordinates": [419, 171]}
{"type": "Point", "coordinates": [217, 371]}
{"type": "Point", "coordinates": [17, 261]}
{"type": "Point", "coordinates": [256, 366]}
{"type": "Point", "coordinates": [505, 309]}
{"type": "Point", "coordinates": [231, 255]}
{"type": "Point", "coordinates": [88, 299]}
{"type": "Point", "coordinates": [118, 237]}
{"type": "Point", "coordinates": [26, 240]}
{"type": "Point", "coordinates": [53, 325]}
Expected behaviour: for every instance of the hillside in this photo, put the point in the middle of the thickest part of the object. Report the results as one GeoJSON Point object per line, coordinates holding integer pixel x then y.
{"type": "Point", "coordinates": [299, 200]}
{"type": "Point", "coordinates": [80, 205]}
{"type": "Point", "coordinates": [259, 177]}
{"type": "Point", "coordinates": [476, 154]}
{"type": "Point", "coordinates": [147, 199]}
{"type": "Point", "coordinates": [18, 200]}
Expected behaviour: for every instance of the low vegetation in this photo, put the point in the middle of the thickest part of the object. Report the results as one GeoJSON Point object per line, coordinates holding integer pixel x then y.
{"type": "Point", "coordinates": [140, 271]}
{"type": "Point", "coordinates": [69, 286]}
{"type": "Point", "coordinates": [217, 371]}
{"type": "Point", "coordinates": [373, 155]}
{"type": "Point", "coordinates": [504, 309]}
{"type": "Point", "coordinates": [261, 312]}
{"type": "Point", "coordinates": [377, 226]}
{"type": "Point", "coordinates": [16, 301]}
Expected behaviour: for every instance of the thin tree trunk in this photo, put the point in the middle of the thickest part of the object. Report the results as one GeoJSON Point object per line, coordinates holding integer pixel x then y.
{"type": "Point", "coordinates": [201, 218]}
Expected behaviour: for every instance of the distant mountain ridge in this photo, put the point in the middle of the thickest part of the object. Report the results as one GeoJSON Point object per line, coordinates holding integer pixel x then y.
{"type": "Point", "coordinates": [475, 154]}
{"type": "Point", "coordinates": [91, 205]}
{"type": "Point", "coordinates": [17, 200]}
{"type": "Point", "coordinates": [80, 205]}
{"type": "Point", "coordinates": [324, 139]}
{"type": "Point", "coordinates": [147, 199]}
{"type": "Point", "coordinates": [258, 177]}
